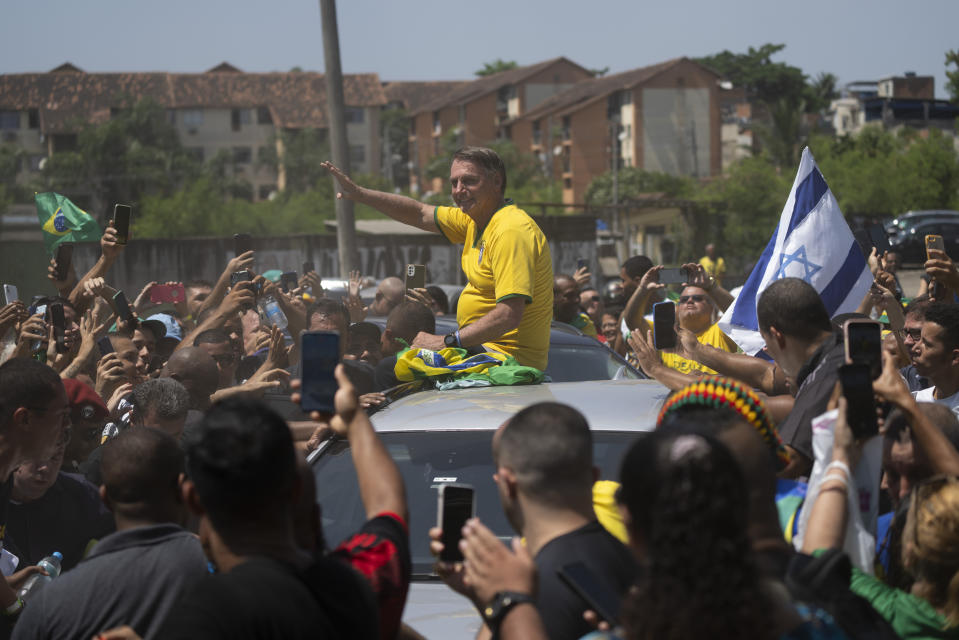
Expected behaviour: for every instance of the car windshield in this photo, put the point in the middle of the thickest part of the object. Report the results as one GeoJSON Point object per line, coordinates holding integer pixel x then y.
{"type": "Point", "coordinates": [576, 363]}
{"type": "Point", "coordinates": [426, 460]}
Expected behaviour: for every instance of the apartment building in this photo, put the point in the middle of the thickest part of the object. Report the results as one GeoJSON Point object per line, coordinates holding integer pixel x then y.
{"type": "Point", "coordinates": [478, 110]}
{"type": "Point", "coordinates": [664, 117]}
{"type": "Point", "coordinates": [221, 110]}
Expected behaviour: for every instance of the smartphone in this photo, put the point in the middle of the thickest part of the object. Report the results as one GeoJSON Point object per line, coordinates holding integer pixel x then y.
{"type": "Point", "coordinates": [307, 267]}
{"type": "Point", "coordinates": [878, 238]}
{"type": "Point", "coordinates": [320, 352]}
{"type": "Point", "coordinates": [864, 344]}
{"type": "Point", "coordinates": [863, 240]}
{"type": "Point", "coordinates": [105, 346]}
{"type": "Point", "coordinates": [240, 276]}
{"type": "Point", "coordinates": [10, 293]}
{"type": "Point", "coordinates": [582, 263]}
{"type": "Point", "coordinates": [123, 307]}
{"type": "Point", "coordinates": [59, 323]}
{"type": "Point", "coordinates": [856, 381]}
{"type": "Point", "coordinates": [673, 275]}
{"type": "Point", "coordinates": [415, 276]}
{"type": "Point", "coordinates": [664, 325]}
{"type": "Point", "coordinates": [597, 595]}
{"type": "Point", "coordinates": [288, 281]}
{"type": "Point", "coordinates": [455, 506]}
{"type": "Point", "coordinates": [64, 258]}
{"type": "Point", "coordinates": [162, 293]}
{"type": "Point", "coordinates": [121, 222]}
{"type": "Point", "coordinates": [934, 242]}
{"type": "Point", "coordinates": [242, 242]}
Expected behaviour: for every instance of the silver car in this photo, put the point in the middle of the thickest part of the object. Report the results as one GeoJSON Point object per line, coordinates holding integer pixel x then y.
{"type": "Point", "coordinates": [439, 437]}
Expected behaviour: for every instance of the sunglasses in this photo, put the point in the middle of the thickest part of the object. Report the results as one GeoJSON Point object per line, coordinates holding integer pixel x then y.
{"type": "Point", "coordinates": [694, 298]}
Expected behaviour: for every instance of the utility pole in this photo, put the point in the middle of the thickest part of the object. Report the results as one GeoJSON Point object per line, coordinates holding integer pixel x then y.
{"type": "Point", "coordinates": [345, 222]}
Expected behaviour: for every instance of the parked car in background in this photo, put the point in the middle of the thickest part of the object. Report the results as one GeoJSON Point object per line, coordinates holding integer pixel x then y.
{"type": "Point", "coordinates": [439, 437]}
{"type": "Point", "coordinates": [910, 219]}
{"type": "Point", "coordinates": [910, 244]}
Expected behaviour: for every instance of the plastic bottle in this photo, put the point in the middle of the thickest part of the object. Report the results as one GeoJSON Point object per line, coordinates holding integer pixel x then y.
{"type": "Point", "coordinates": [51, 564]}
{"type": "Point", "coordinates": [271, 309]}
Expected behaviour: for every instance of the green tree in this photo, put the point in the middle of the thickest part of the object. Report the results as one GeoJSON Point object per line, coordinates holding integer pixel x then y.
{"type": "Point", "coordinates": [633, 183]}
{"type": "Point", "coordinates": [763, 79]}
{"type": "Point", "coordinates": [395, 130]}
{"type": "Point", "coordinates": [489, 68]}
{"type": "Point", "coordinates": [785, 134]}
{"type": "Point", "coordinates": [821, 92]}
{"type": "Point", "coordinates": [134, 154]}
{"type": "Point", "coordinates": [952, 77]}
{"type": "Point", "coordinates": [303, 152]}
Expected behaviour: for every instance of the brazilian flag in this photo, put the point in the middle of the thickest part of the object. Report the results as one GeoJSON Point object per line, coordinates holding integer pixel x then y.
{"type": "Point", "coordinates": [63, 221]}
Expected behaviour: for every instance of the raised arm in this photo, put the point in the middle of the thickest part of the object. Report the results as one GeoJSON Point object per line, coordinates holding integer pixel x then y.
{"type": "Point", "coordinates": [400, 208]}
{"type": "Point", "coordinates": [755, 372]}
{"type": "Point", "coordinates": [109, 252]}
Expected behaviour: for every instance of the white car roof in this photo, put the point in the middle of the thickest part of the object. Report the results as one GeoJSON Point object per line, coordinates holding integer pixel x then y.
{"type": "Point", "coordinates": [609, 405]}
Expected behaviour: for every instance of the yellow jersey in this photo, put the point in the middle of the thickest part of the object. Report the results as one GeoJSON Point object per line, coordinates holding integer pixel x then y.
{"type": "Point", "coordinates": [509, 258]}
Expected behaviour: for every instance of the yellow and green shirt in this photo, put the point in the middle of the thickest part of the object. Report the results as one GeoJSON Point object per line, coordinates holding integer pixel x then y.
{"type": "Point", "coordinates": [508, 258]}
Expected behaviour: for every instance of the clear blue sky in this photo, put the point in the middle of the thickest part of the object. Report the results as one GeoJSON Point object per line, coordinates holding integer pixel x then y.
{"type": "Point", "coordinates": [440, 40]}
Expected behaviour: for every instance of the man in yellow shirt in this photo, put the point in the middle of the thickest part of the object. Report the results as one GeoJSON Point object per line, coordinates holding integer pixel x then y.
{"type": "Point", "coordinates": [695, 312]}
{"type": "Point", "coordinates": [715, 266]}
{"type": "Point", "coordinates": [507, 304]}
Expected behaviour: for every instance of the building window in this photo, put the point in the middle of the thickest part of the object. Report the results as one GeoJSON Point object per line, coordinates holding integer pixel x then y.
{"type": "Point", "coordinates": [567, 123]}
{"type": "Point", "coordinates": [567, 160]}
{"type": "Point", "coordinates": [195, 152]}
{"type": "Point", "coordinates": [354, 115]}
{"type": "Point", "coordinates": [192, 117]}
{"type": "Point", "coordinates": [33, 118]}
{"type": "Point", "coordinates": [171, 116]}
{"type": "Point", "coordinates": [357, 154]}
{"type": "Point", "coordinates": [242, 155]}
{"type": "Point", "coordinates": [264, 154]}
{"type": "Point", "coordinates": [567, 183]}
{"type": "Point", "coordinates": [64, 142]}
{"type": "Point", "coordinates": [9, 119]}
{"type": "Point", "coordinates": [240, 117]}
{"type": "Point", "coordinates": [537, 132]}
{"type": "Point", "coordinates": [263, 115]}
{"type": "Point", "coordinates": [437, 127]}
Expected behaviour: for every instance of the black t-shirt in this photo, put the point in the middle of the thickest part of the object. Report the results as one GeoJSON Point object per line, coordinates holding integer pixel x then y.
{"type": "Point", "coordinates": [816, 380]}
{"type": "Point", "coordinates": [608, 559]}
{"type": "Point", "coordinates": [265, 598]}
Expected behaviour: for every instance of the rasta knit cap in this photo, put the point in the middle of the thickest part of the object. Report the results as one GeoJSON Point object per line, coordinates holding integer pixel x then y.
{"type": "Point", "coordinates": [718, 392]}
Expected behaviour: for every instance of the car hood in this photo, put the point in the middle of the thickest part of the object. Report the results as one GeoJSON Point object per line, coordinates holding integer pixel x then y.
{"type": "Point", "coordinates": [436, 611]}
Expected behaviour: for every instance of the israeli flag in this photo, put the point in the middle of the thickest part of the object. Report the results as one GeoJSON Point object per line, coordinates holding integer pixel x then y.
{"type": "Point", "coordinates": [812, 242]}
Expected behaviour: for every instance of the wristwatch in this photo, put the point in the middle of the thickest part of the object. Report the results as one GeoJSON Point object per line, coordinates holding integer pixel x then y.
{"type": "Point", "coordinates": [451, 339]}
{"type": "Point", "coordinates": [500, 605]}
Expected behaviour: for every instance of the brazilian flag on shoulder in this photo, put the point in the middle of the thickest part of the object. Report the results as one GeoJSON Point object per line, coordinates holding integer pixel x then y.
{"type": "Point", "coordinates": [63, 221]}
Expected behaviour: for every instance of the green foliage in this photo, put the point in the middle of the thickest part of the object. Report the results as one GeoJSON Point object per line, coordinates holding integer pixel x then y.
{"type": "Point", "coordinates": [395, 128]}
{"type": "Point", "coordinates": [489, 68]}
{"type": "Point", "coordinates": [878, 173]}
{"type": "Point", "coordinates": [820, 92]}
{"type": "Point", "coordinates": [952, 77]}
{"type": "Point", "coordinates": [763, 79]}
{"type": "Point", "coordinates": [135, 153]}
{"type": "Point", "coordinates": [784, 136]}
{"type": "Point", "coordinates": [9, 163]}
{"type": "Point", "coordinates": [303, 151]}
{"type": "Point", "coordinates": [634, 182]}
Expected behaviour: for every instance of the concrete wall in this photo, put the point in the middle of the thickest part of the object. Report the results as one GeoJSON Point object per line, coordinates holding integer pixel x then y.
{"type": "Point", "coordinates": [676, 131]}
{"type": "Point", "coordinates": [24, 263]}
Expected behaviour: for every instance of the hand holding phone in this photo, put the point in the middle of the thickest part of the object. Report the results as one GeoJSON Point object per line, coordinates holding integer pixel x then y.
{"type": "Point", "coordinates": [242, 242]}
{"type": "Point", "coordinates": [863, 344]}
{"type": "Point", "coordinates": [64, 259]}
{"type": "Point", "coordinates": [124, 312]}
{"type": "Point", "coordinates": [856, 382]}
{"type": "Point", "coordinates": [105, 345]}
{"type": "Point", "coordinates": [240, 276]}
{"type": "Point", "coordinates": [167, 293]}
{"type": "Point", "coordinates": [934, 242]}
{"type": "Point", "coordinates": [455, 506]}
{"type": "Point", "coordinates": [664, 325]}
{"type": "Point", "coordinates": [673, 275]}
{"type": "Point", "coordinates": [288, 281]}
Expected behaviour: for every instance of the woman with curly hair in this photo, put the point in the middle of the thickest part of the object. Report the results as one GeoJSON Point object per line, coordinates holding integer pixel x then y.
{"type": "Point", "coordinates": [685, 505]}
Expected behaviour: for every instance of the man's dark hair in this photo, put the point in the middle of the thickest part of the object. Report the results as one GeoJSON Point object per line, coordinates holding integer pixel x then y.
{"type": "Point", "coordinates": [25, 382]}
{"type": "Point", "coordinates": [637, 266]}
{"type": "Point", "coordinates": [917, 307]}
{"type": "Point", "coordinates": [242, 461]}
{"type": "Point", "coordinates": [794, 308]}
{"type": "Point", "coordinates": [946, 315]}
{"type": "Point", "coordinates": [550, 449]}
{"type": "Point", "coordinates": [439, 297]}
{"type": "Point", "coordinates": [408, 318]}
{"type": "Point", "coordinates": [48, 300]}
{"type": "Point", "coordinates": [330, 308]}
{"type": "Point", "coordinates": [197, 284]}
{"type": "Point", "coordinates": [212, 336]}
{"type": "Point", "coordinates": [364, 331]}
{"type": "Point", "coordinates": [938, 414]}
{"type": "Point", "coordinates": [165, 397]}
{"type": "Point", "coordinates": [141, 468]}
{"type": "Point", "coordinates": [487, 159]}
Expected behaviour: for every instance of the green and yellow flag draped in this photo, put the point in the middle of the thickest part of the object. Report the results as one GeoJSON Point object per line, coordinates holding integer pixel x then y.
{"type": "Point", "coordinates": [63, 221]}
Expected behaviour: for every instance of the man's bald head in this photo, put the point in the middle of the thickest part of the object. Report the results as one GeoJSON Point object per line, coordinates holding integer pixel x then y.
{"type": "Point", "coordinates": [196, 370]}
{"type": "Point", "coordinates": [141, 469]}
{"type": "Point", "coordinates": [390, 292]}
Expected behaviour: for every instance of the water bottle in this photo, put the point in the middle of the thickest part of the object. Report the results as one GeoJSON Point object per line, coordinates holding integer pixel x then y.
{"type": "Point", "coordinates": [271, 309]}
{"type": "Point", "coordinates": [51, 564]}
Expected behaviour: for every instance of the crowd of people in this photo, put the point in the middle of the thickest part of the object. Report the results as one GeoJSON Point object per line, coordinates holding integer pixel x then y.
{"type": "Point", "coordinates": [146, 446]}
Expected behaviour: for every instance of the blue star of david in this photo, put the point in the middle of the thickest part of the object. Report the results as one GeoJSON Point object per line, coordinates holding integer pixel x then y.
{"type": "Point", "coordinates": [799, 257]}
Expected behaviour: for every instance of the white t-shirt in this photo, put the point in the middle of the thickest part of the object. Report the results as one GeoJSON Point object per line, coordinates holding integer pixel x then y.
{"type": "Point", "coordinates": [927, 395]}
